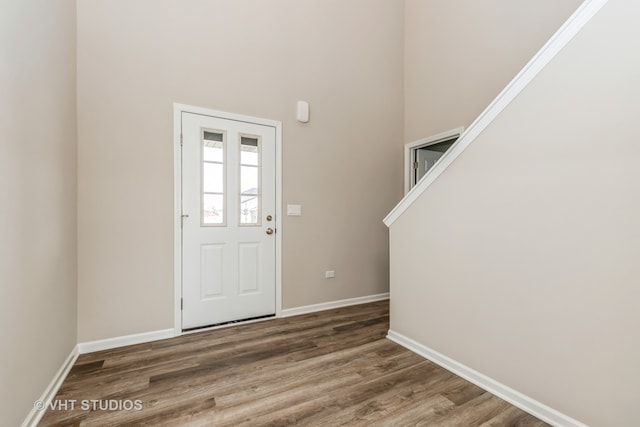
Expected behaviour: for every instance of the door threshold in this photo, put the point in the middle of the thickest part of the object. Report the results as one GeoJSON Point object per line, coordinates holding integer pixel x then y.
{"type": "Point", "coordinates": [228, 323]}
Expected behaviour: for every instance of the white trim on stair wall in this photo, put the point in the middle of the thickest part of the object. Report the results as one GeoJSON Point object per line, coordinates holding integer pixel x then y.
{"type": "Point", "coordinates": [526, 403]}
{"type": "Point", "coordinates": [555, 44]}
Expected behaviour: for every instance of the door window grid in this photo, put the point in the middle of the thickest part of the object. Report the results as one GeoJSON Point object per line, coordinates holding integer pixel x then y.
{"type": "Point", "coordinates": [250, 191]}
{"type": "Point", "coordinates": [213, 200]}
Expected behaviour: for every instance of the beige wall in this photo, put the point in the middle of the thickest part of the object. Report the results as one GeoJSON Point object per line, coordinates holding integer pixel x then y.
{"type": "Point", "coordinates": [459, 54]}
{"type": "Point", "coordinates": [135, 58]}
{"type": "Point", "coordinates": [38, 198]}
{"type": "Point", "coordinates": [521, 260]}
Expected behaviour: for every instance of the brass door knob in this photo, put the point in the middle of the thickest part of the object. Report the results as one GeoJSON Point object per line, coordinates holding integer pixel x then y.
{"type": "Point", "coordinates": [269, 231]}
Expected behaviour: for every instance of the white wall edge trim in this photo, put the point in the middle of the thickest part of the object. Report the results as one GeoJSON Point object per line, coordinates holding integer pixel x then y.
{"type": "Point", "coordinates": [526, 403]}
{"type": "Point", "coordinates": [177, 212]}
{"type": "Point", "coordinates": [178, 109]}
{"type": "Point", "coordinates": [109, 343]}
{"type": "Point", "coordinates": [45, 400]}
{"type": "Point", "coordinates": [556, 43]}
{"type": "Point", "coordinates": [288, 312]}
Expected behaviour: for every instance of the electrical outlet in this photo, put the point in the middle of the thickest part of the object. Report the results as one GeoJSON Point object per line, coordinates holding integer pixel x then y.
{"type": "Point", "coordinates": [329, 274]}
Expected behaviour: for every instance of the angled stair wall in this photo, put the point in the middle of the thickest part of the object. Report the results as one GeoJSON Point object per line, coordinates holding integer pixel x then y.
{"type": "Point", "coordinates": [515, 263]}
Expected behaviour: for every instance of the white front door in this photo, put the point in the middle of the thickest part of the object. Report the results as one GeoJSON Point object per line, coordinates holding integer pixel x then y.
{"type": "Point", "coordinates": [228, 224]}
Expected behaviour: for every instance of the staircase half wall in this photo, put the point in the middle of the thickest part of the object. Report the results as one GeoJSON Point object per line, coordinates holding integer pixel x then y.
{"type": "Point", "coordinates": [519, 262]}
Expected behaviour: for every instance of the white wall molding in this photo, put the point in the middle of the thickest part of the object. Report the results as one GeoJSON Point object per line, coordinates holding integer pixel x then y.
{"type": "Point", "coordinates": [177, 212]}
{"type": "Point", "coordinates": [44, 401]}
{"type": "Point", "coordinates": [109, 343]}
{"type": "Point", "coordinates": [288, 312]}
{"type": "Point", "coordinates": [556, 43]}
{"type": "Point", "coordinates": [526, 403]}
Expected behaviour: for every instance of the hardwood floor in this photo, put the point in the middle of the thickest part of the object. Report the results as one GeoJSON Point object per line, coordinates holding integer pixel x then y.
{"type": "Point", "coordinates": [323, 369]}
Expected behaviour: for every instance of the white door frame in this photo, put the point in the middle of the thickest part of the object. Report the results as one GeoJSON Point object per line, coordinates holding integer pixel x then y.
{"type": "Point", "coordinates": [410, 146]}
{"type": "Point", "coordinates": [178, 109]}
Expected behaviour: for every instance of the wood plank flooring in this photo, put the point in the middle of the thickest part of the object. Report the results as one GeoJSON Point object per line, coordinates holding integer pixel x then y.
{"type": "Point", "coordinates": [329, 368]}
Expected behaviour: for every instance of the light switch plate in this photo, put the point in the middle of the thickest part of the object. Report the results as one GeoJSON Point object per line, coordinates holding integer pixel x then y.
{"type": "Point", "coordinates": [294, 210]}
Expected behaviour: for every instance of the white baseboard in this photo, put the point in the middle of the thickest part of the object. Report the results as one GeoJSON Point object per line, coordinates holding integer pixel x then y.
{"type": "Point", "coordinates": [527, 404]}
{"type": "Point", "coordinates": [35, 415]}
{"type": "Point", "coordinates": [109, 343]}
{"type": "Point", "coordinates": [287, 312]}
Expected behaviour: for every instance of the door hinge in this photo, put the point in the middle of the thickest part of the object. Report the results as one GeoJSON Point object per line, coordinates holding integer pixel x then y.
{"type": "Point", "coordinates": [415, 165]}
{"type": "Point", "coordinates": [181, 140]}
{"type": "Point", "coordinates": [181, 304]}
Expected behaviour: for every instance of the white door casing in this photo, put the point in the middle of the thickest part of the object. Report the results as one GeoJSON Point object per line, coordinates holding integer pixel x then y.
{"type": "Point", "coordinates": [410, 148]}
{"type": "Point", "coordinates": [230, 256]}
